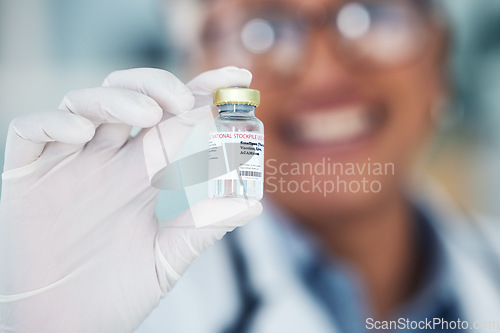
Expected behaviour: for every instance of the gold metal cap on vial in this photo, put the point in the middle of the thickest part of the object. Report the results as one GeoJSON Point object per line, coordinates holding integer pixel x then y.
{"type": "Point", "coordinates": [237, 96]}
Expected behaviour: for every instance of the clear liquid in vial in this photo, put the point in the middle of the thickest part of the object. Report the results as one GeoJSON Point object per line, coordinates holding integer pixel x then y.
{"type": "Point", "coordinates": [236, 155]}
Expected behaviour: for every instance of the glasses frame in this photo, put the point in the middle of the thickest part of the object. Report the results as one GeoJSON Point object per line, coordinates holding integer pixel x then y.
{"type": "Point", "coordinates": [311, 22]}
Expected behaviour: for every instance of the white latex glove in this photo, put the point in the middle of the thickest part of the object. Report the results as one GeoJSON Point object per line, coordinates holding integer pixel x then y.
{"type": "Point", "coordinates": [81, 249]}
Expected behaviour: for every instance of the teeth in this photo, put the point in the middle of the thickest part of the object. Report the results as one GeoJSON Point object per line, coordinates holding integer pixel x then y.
{"type": "Point", "coordinates": [333, 126]}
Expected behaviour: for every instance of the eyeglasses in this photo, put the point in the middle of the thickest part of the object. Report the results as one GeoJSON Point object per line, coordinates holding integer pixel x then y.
{"type": "Point", "coordinates": [370, 34]}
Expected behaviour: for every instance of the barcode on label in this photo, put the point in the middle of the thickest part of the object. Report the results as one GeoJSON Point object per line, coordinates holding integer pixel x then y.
{"type": "Point", "coordinates": [250, 173]}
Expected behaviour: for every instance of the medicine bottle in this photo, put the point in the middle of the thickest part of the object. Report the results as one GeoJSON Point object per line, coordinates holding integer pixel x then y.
{"type": "Point", "coordinates": [236, 148]}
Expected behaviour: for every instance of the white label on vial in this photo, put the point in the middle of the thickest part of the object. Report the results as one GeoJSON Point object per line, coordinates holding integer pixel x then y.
{"type": "Point", "coordinates": [236, 155]}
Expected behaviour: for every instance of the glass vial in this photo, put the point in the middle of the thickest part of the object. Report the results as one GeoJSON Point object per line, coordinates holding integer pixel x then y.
{"type": "Point", "coordinates": [236, 148]}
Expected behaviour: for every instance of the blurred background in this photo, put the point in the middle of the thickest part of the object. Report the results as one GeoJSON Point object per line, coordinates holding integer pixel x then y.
{"type": "Point", "coordinates": [48, 47]}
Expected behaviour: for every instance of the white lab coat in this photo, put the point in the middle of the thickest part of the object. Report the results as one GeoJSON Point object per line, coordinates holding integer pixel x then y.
{"type": "Point", "coordinates": [206, 299]}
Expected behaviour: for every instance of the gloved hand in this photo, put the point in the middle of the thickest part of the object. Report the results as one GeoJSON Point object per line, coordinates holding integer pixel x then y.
{"type": "Point", "coordinates": [81, 249]}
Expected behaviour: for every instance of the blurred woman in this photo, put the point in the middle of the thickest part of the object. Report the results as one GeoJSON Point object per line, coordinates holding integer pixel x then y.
{"type": "Point", "coordinates": [351, 93]}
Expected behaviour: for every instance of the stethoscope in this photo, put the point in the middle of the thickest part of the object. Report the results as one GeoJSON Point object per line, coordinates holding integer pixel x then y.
{"type": "Point", "coordinates": [250, 299]}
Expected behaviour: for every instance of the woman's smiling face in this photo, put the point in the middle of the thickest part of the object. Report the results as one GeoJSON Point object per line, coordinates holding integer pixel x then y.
{"type": "Point", "coordinates": [333, 92]}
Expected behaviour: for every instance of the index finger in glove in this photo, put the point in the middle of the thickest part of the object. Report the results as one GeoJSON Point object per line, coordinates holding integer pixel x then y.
{"type": "Point", "coordinates": [104, 105]}
{"type": "Point", "coordinates": [115, 111]}
{"type": "Point", "coordinates": [162, 86]}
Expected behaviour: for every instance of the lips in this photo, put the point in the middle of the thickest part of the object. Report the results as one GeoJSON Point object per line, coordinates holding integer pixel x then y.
{"type": "Point", "coordinates": [333, 126]}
